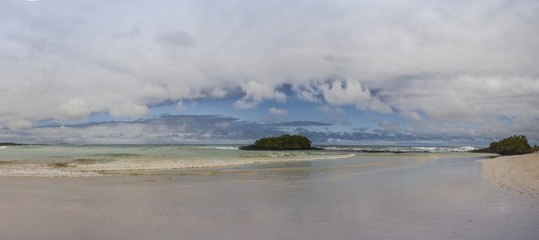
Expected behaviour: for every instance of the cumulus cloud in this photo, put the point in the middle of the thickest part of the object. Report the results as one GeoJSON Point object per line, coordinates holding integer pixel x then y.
{"type": "Point", "coordinates": [412, 115]}
{"type": "Point", "coordinates": [351, 92]}
{"type": "Point", "coordinates": [180, 107]}
{"type": "Point", "coordinates": [280, 114]}
{"type": "Point", "coordinates": [73, 109]}
{"type": "Point", "coordinates": [129, 110]}
{"type": "Point", "coordinates": [256, 92]}
{"type": "Point", "coordinates": [444, 61]}
{"type": "Point", "coordinates": [346, 92]}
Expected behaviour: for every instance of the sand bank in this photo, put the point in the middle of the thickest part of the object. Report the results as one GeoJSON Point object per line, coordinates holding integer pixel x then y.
{"type": "Point", "coordinates": [519, 173]}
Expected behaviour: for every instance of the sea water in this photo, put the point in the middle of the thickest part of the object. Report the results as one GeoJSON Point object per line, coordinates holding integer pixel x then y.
{"type": "Point", "coordinates": [96, 160]}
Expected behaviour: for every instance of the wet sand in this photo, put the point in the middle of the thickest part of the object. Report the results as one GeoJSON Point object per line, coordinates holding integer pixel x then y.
{"type": "Point", "coordinates": [444, 198]}
{"type": "Point", "coordinates": [517, 173]}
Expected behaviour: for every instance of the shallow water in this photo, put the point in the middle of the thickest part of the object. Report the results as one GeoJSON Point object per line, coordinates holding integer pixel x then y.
{"type": "Point", "coordinates": [87, 161]}
{"type": "Point", "coordinates": [368, 196]}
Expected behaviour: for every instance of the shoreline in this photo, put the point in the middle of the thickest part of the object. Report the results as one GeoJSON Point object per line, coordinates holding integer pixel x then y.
{"type": "Point", "coordinates": [518, 173]}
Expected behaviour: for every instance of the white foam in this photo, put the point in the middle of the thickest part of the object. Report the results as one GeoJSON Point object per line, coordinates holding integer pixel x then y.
{"type": "Point", "coordinates": [227, 148]}
{"type": "Point", "coordinates": [44, 172]}
{"type": "Point", "coordinates": [428, 149]}
{"type": "Point", "coordinates": [349, 149]}
{"type": "Point", "coordinates": [400, 149]}
{"type": "Point", "coordinates": [445, 149]}
{"type": "Point", "coordinates": [3, 147]}
{"type": "Point", "coordinates": [467, 148]}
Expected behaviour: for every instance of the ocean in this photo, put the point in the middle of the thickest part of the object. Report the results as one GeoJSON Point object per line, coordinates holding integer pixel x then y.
{"type": "Point", "coordinates": [98, 160]}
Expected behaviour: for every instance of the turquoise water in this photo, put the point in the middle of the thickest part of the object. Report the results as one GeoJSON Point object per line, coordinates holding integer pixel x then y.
{"type": "Point", "coordinates": [96, 160]}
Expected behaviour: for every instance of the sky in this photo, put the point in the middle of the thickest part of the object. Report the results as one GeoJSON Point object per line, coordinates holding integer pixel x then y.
{"type": "Point", "coordinates": [401, 72]}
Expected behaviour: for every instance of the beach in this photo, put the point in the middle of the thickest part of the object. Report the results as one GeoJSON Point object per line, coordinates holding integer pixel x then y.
{"type": "Point", "coordinates": [409, 196]}
{"type": "Point", "coordinates": [518, 173]}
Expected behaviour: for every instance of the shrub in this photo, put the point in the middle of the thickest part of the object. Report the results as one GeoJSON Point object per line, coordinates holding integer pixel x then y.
{"type": "Point", "coordinates": [511, 146]}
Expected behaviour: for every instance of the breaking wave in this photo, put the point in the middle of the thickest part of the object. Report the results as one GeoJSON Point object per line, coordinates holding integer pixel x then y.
{"type": "Point", "coordinates": [398, 149]}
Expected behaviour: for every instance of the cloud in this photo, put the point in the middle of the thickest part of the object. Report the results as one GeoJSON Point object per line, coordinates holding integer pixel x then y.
{"type": "Point", "coordinates": [176, 38]}
{"type": "Point", "coordinates": [256, 92]}
{"type": "Point", "coordinates": [329, 110]}
{"type": "Point", "coordinates": [183, 129]}
{"type": "Point", "coordinates": [345, 93]}
{"type": "Point", "coordinates": [163, 129]}
{"type": "Point", "coordinates": [223, 125]}
{"type": "Point", "coordinates": [300, 124]}
{"type": "Point", "coordinates": [467, 98]}
{"type": "Point", "coordinates": [412, 115]}
{"type": "Point", "coordinates": [278, 112]}
{"type": "Point", "coordinates": [129, 110]}
{"type": "Point", "coordinates": [19, 124]}
{"type": "Point", "coordinates": [339, 121]}
{"type": "Point", "coordinates": [278, 115]}
{"type": "Point", "coordinates": [180, 107]}
{"type": "Point", "coordinates": [351, 92]}
{"type": "Point", "coordinates": [307, 93]}
{"type": "Point", "coordinates": [73, 109]}
{"type": "Point", "coordinates": [452, 62]}
{"type": "Point", "coordinates": [325, 109]}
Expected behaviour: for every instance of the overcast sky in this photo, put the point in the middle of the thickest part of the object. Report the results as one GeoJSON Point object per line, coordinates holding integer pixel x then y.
{"type": "Point", "coordinates": [340, 71]}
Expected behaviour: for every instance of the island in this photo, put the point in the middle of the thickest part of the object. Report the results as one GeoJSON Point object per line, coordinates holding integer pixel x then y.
{"type": "Point", "coordinates": [284, 142]}
{"type": "Point", "coordinates": [10, 144]}
{"type": "Point", "coordinates": [514, 145]}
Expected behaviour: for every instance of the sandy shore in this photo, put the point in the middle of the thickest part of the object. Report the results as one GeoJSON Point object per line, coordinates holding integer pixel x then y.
{"type": "Point", "coordinates": [519, 173]}
{"type": "Point", "coordinates": [442, 198]}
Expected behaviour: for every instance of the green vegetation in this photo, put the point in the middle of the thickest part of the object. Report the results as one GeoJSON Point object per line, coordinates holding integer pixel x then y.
{"type": "Point", "coordinates": [284, 142]}
{"type": "Point", "coordinates": [511, 146]}
{"type": "Point", "coordinates": [17, 144]}
{"type": "Point", "coordinates": [9, 144]}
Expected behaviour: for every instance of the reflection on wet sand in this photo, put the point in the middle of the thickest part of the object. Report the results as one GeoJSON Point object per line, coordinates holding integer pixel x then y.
{"type": "Point", "coordinates": [282, 167]}
{"type": "Point", "coordinates": [361, 198]}
{"type": "Point", "coordinates": [252, 171]}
